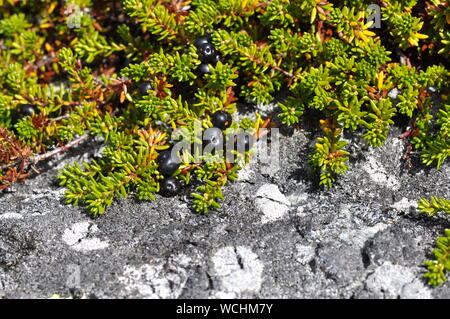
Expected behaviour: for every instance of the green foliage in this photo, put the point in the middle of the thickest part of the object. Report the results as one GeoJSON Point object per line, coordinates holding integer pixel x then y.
{"type": "Point", "coordinates": [350, 24]}
{"type": "Point", "coordinates": [405, 27]}
{"type": "Point", "coordinates": [127, 164]}
{"type": "Point", "coordinates": [437, 268]}
{"type": "Point", "coordinates": [94, 45]}
{"type": "Point", "coordinates": [329, 155]}
{"type": "Point", "coordinates": [440, 13]}
{"type": "Point", "coordinates": [221, 77]}
{"type": "Point", "coordinates": [434, 205]}
{"type": "Point", "coordinates": [16, 23]}
{"type": "Point", "coordinates": [351, 115]}
{"type": "Point", "coordinates": [153, 16]}
{"type": "Point", "coordinates": [379, 120]}
{"type": "Point", "coordinates": [434, 137]}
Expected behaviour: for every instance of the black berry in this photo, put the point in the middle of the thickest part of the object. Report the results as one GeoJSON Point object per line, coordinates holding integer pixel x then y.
{"type": "Point", "coordinates": [207, 52]}
{"type": "Point", "coordinates": [216, 59]}
{"type": "Point", "coordinates": [145, 87]}
{"type": "Point", "coordinates": [213, 136]}
{"type": "Point", "coordinates": [23, 110]}
{"type": "Point", "coordinates": [244, 142]}
{"type": "Point", "coordinates": [26, 109]}
{"type": "Point", "coordinates": [203, 69]}
{"type": "Point", "coordinates": [126, 63]}
{"type": "Point", "coordinates": [168, 164]}
{"type": "Point", "coordinates": [221, 119]}
{"type": "Point", "coordinates": [202, 41]}
{"type": "Point", "coordinates": [169, 187]}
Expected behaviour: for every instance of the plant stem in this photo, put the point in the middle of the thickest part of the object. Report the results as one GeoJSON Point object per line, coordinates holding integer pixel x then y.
{"type": "Point", "coordinates": [36, 159]}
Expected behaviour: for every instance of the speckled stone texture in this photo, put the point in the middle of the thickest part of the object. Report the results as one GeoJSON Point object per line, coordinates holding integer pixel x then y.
{"type": "Point", "coordinates": [277, 235]}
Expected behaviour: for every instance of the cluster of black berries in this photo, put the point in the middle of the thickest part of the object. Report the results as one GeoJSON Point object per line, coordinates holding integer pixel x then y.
{"type": "Point", "coordinates": [207, 53]}
{"type": "Point", "coordinates": [168, 165]}
{"type": "Point", "coordinates": [222, 120]}
{"type": "Point", "coordinates": [213, 137]}
{"type": "Point", "coordinates": [23, 110]}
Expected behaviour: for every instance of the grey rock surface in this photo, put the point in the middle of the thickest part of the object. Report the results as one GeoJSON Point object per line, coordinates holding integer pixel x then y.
{"type": "Point", "coordinates": [277, 235]}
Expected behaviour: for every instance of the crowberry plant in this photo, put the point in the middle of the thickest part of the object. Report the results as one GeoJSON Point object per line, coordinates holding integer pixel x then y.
{"type": "Point", "coordinates": [131, 73]}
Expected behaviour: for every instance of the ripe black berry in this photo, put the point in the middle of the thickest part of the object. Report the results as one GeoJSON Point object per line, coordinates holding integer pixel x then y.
{"type": "Point", "coordinates": [26, 109]}
{"type": "Point", "coordinates": [203, 69]}
{"type": "Point", "coordinates": [169, 187]}
{"type": "Point", "coordinates": [207, 52]}
{"type": "Point", "coordinates": [23, 110]}
{"type": "Point", "coordinates": [221, 119]}
{"type": "Point", "coordinates": [168, 164]}
{"type": "Point", "coordinates": [145, 87]}
{"type": "Point", "coordinates": [213, 136]}
{"type": "Point", "coordinates": [216, 59]}
{"type": "Point", "coordinates": [202, 40]}
{"type": "Point", "coordinates": [244, 142]}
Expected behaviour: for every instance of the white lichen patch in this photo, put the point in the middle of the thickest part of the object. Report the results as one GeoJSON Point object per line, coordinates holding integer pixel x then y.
{"type": "Point", "coordinates": [266, 108]}
{"type": "Point", "coordinates": [393, 281]}
{"type": "Point", "coordinates": [237, 270]}
{"type": "Point", "coordinates": [404, 205]}
{"type": "Point", "coordinates": [358, 237]}
{"type": "Point", "coordinates": [265, 161]}
{"type": "Point", "coordinates": [271, 203]}
{"type": "Point", "coordinates": [393, 93]}
{"type": "Point", "coordinates": [39, 194]}
{"type": "Point", "coordinates": [159, 280]}
{"type": "Point", "coordinates": [378, 174]}
{"type": "Point", "coordinates": [298, 197]}
{"type": "Point", "coordinates": [11, 216]}
{"type": "Point", "coordinates": [79, 237]}
{"type": "Point", "coordinates": [246, 173]}
{"type": "Point", "coordinates": [304, 253]}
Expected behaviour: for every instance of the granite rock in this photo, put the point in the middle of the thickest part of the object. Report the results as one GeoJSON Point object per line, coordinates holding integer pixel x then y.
{"type": "Point", "coordinates": [277, 235]}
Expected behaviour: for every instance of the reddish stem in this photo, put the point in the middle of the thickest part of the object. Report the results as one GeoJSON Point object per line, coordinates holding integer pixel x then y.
{"type": "Point", "coordinates": [34, 160]}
